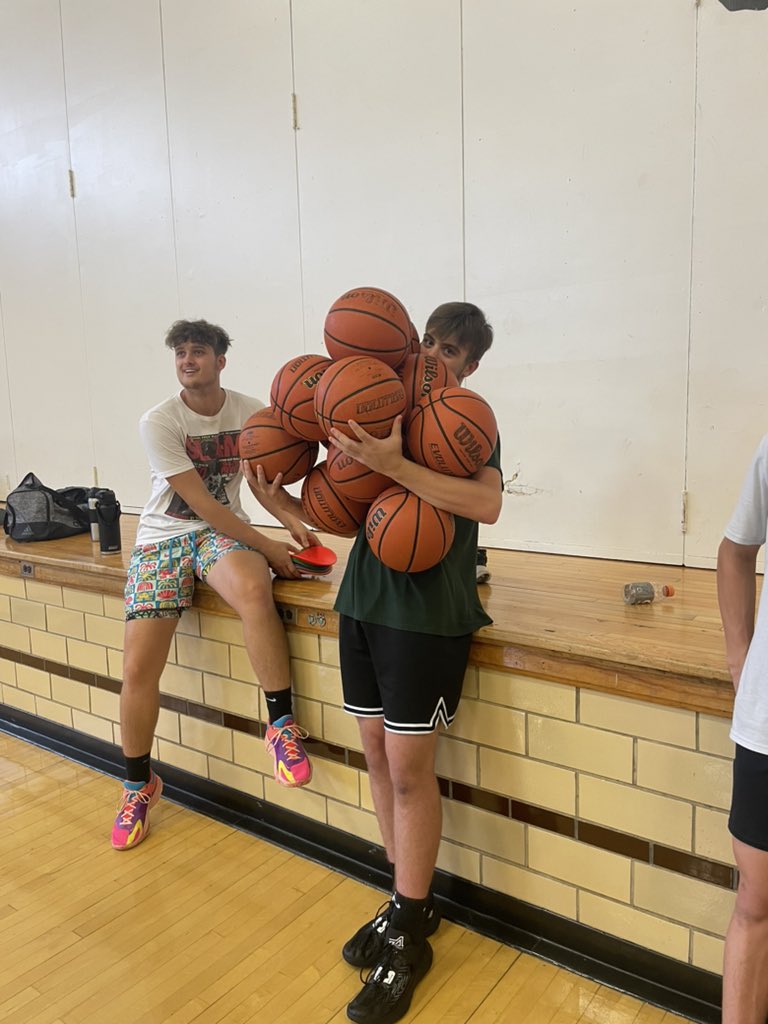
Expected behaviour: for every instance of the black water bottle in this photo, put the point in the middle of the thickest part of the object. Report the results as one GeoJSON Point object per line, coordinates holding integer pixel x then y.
{"type": "Point", "coordinates": [108, 519]}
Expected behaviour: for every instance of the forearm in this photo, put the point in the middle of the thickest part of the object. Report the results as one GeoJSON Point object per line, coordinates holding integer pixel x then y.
{"type": "Point", "coordinates": [477, 497]}
{"type": "Point", "coordinates": [220, 518]}
{"type": "Point", "coordinates": [736, 598]}
{"type": "Point", "coordinates": [290, 505]}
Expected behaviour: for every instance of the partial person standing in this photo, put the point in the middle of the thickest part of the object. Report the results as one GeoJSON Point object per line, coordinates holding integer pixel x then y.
{"type": "Point", "coordinates": [745, 967]}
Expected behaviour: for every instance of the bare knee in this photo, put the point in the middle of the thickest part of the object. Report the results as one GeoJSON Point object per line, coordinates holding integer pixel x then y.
{"type": "Point", "coordinates": [412, 781]}
{"type": "Point", "coordinates": [376, 756]}
{"type": "Point", "coordinates": [254, 598]}
{"type": "Point", "coordinates": [751, 906]}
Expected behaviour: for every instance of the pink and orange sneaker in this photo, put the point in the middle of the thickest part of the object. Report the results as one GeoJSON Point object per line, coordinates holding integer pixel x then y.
{"type": "Point", "coordinates": [283, 742]}
{"type": "Point", "coordinates": [132, 822]}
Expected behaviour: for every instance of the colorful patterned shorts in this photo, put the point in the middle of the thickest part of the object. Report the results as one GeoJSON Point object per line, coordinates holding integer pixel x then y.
{"type": "Point", "coordinates": [161, 576]}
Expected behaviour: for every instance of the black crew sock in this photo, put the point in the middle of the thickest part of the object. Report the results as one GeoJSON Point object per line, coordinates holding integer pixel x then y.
{"type": "Point", "coordinates": [391, 867]}
{"type": "Point", "coordinates": [137, 769]}
{"type": "Point", "coordinates": [410, 916]}
{"type": "Point", "coordinates": [279, 704]}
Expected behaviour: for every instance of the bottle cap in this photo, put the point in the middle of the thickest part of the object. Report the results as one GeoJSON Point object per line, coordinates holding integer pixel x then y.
{"type": "Point", "coordinates": [669, 590]}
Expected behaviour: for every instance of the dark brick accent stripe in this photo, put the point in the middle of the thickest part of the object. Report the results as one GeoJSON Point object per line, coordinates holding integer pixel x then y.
{"type": "Point", "coordinates": [626, 845]}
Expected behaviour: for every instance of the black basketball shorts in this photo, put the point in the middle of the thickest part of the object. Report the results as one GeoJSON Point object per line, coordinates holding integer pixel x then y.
{"type": "Point", "coordinates": [411, 680]}
{"type": "Point", "coordinates": [748, 821]}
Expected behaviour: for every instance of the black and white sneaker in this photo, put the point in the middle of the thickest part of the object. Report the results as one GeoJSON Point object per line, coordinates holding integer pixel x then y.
{"type": "Point", "coordinates": [482, 570]}
{"type": "Point", "coordinates": [367, 944]}
{"type": "Point", "coordinates": [388, 990]}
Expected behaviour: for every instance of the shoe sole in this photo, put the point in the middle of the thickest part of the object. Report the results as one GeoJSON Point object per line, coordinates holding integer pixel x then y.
{"type": "Point", "coordinates": [155, 798]}
{"type": "Point", "coordinates": [293, 785]}
{"type": "Point", "coordinates": [404, 1006]}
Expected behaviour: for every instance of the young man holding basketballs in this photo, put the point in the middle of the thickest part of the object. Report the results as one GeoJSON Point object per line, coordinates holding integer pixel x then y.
{"type": "Point", "coordinates": [194, 525]}
{"type": "Point", "coordinates": [404, 642]}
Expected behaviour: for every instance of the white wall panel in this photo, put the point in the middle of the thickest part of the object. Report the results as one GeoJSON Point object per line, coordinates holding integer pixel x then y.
{"type": "Point", "coordinates": [379, 152]}
{"type": "Point", "coordinates": [115, 94]}
{"type": "Point", "coordinates": [229, 83]}
{"type": "Point", "coordinates": [729, 351]}
{"type": "Point", "coordinates": [579, 169]}
{"type": "Point", "coordinates": [47, 377]}
{"type": "Point", "coordinates": [9, 473]}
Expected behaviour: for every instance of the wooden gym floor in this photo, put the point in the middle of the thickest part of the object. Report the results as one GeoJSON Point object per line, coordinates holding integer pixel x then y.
{"type": "Point", "coordinates": [209, 925]}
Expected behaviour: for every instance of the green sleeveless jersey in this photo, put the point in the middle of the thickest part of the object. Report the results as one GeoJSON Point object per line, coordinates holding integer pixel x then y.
{"type": "Point", "coordinates": [442, 600]}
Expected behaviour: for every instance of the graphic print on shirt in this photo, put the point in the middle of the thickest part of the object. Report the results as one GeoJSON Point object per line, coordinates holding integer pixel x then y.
{"type": "Point", "coordinates": [216, 459]}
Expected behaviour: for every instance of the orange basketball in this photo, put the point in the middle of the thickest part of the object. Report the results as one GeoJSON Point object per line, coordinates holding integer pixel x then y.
{"type": "Point", "coordinates": [406, 533]}
{"type": "Point", "coordinates": [421, 374]}
{"type": "Point", "coordinates": [263, 441]}
{"type": "Point", "coordinates": [452, 430]}
{"type": "Point", "coordinates": [293, 395]}
{"type": "Point", "coordinates": [368, 321]}
{"type": "Point", "coordinates": [327, 507]}
{"type": "Point", "coordinates": [415, 339]}
{"type": "Point", "coordinates": [354, 479]}
{"type": "Point", "coordinates": [359, 388]}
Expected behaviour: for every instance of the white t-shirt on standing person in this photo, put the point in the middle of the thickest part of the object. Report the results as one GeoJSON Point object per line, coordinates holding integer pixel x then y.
{"type": "Point", "coordinates": [748, 526]}
{"type": "Point", "coordinates": [176, 439]}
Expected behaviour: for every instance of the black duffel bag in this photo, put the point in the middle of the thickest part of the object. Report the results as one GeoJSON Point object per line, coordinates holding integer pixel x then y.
{"type": "Point", "coordinates": [36, 512]}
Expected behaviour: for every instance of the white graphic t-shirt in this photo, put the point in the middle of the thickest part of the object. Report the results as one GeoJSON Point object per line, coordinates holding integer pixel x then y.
{"type": "Point", "coordinates": [176, 439]}
{"type": "Point", "coordinates": [748, 526]}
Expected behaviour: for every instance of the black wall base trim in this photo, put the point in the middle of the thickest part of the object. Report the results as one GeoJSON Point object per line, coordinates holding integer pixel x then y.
{"type": "Point", "coordinates": [657, 979]}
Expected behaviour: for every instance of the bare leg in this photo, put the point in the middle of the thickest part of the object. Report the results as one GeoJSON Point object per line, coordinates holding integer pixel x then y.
{"type": "Point", "coordinates": [417, 811]}
{"type": "Point", "coordinates": [374, 746]}
{"type": "Point", "coordinates": [243, 579]}
{"type": "Point", "coordinates": [147, 642]}
{"type": "Point", "coordinates": [745, 968]}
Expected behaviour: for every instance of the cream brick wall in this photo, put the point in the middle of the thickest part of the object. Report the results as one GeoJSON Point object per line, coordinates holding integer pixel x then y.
{"type": "Point", "coordinates": [27, 613]}
{"type": "Point", "coordinates": [583, 866]}
{"type": "Point", "coordinates": [531, 887]}
{"type": "Point", "coordinates": [657, 773]}
{"type": "Point", "coordinates": [634, 925]}
{"type": "Point", "coordinates": [700, 778]}
{"type": "Point", "coordinates": [636, 812]}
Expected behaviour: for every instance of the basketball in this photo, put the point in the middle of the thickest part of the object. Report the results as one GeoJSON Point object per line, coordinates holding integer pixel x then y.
{"type": "Point", "coordinates": [352, 478]}
{"type": "Point", "coordinates": [415, 340]}
{"type": "Point", "coordinates": [421, 374]}
{"type": "Point", "coordinates": [293, 395]}
{"type": "Point", "coordinates": [263, 441]}
{"type": "Point", "coordinates": [327, 507]}
{"type": "Point", "coordinates": [452, 430]}
{"type": "Point", "coordinates": [406, 533]}
{"type": "Point", "coordinates": [368, 321]}
{"type": "Point", "coordinates": [359, 388]}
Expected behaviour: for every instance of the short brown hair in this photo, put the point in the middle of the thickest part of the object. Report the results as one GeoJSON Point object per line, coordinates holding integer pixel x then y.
{"type": "Point", "coordinates": [465, 323]}
{"type": "Point", "coordinates": [198, 332]}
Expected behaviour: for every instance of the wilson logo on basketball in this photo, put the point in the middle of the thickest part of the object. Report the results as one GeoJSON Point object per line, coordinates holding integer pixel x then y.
{"type": "Point", "coordinates": [472, 447]}
{"type": "Point", "coordinates": [374, 519]}
{"type": "Point", "coordinates": [429, 375]}
{"type": "Point", "coordinates": [309, 382]}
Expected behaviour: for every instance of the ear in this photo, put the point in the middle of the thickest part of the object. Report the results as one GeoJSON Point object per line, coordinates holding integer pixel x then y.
{"type": "Point", "coordinates": [221, 361]}
{"type": "Point", "coordinates": [470, 368]}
